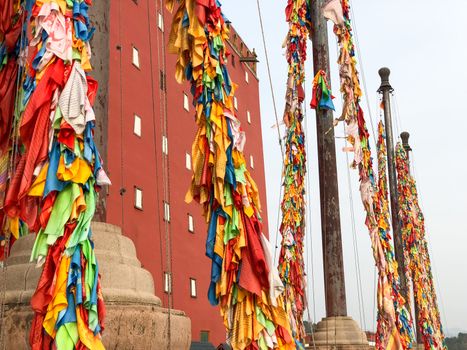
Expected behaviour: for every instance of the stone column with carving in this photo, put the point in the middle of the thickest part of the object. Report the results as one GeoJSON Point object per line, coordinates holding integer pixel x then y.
{"type": "Point", "coordinates": [134, 314]}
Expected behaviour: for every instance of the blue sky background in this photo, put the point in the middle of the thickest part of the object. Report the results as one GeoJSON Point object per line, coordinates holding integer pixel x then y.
{"type": "Point", "coordinates": [423, 43]}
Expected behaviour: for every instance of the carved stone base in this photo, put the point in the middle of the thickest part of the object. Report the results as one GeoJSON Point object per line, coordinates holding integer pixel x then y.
{"type": "Point", "coordinates": [339, 333]}
{"type": "Point", "coordinates": [134, 319]}
{"type": "Point", "coordinates": [128, 327]}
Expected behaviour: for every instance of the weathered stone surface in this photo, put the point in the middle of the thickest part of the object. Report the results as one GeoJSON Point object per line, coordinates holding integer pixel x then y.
{"type": "Point", "coordinates": [127, 327]}
{"type": "Point", "coordinates": [148, 327]}
{"type": "Point", "coordinates": [134, 319]}
{"type": "Point", "coordinates": [339, 333]}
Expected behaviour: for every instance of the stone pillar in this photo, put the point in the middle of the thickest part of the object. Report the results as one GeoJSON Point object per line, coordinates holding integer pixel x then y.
{"type": "Point", "coordinates": [134, 319]}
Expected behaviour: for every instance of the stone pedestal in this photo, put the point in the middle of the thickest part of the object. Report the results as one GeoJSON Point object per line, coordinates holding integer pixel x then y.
{"type": "Point", "coordinates": [339, 333]}
{"type": "Point", "coordinates": [134, 319]}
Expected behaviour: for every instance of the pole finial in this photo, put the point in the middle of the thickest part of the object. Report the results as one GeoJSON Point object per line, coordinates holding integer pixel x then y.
{"type": "Point", "coordinates": [405, 141]}
{"type": "Point", "coordinates": [384, 74]}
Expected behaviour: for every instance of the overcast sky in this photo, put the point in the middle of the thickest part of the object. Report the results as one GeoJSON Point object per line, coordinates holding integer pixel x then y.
{"type": "Point", "coordinates": [423, 43]}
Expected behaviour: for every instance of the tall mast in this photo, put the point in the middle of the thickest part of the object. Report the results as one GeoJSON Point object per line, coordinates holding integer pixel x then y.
{"type": "Point", "coordinates": [405, 143]}
{"type": "Point", "coordinates": [385, 89]}
{"type": "Point", "coordinates": [336, 329]}
{"type": "Point", "coordinates": [333, 262]}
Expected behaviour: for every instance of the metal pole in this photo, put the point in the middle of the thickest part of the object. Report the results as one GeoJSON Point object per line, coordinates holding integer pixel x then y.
{"type": "Point", "coordinates": [386, 89]}
{"type": "Point", "coordinates": [333, 262]}
{"type": "Point", "coordinates": [405, 143]}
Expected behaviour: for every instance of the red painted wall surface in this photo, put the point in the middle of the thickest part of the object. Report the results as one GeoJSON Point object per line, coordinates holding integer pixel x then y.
{"type": "Point", "coordinates": [135, 161]}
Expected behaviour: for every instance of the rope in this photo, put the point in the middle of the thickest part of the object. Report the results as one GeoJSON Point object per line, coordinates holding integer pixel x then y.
{"type": "Point", "coordinates": [431, 251]}
{"type": "Point", "coordinates": [281, 192]}
{"type": "Point", "coordinates": [4, 280]}
{"type": "Point", "coordinates": [397, 115]}
{"type": "Point", "coordinates": [308, 217]}
{"type": "Point", "coordinates": [438, 288]}
{"type": "Point", "coordinates": [154, 129]}
{"type": "Point", "coordinates": [122, 179]}
{"type": "Point", "coordinates": [361, 308]}
{"type": "Point", "coordinates": [324, 243]}
{"type": "Point", "coordinates": [379, 100]}
{"type": "Point", "coordinates": [362, 71]}
{"type": "Point", "coordinates": [165, 177]}
{"type": "Point", "coordinates": [279, 136]}
{"type": "Point", "coordinates": [367, 100]}
{"type": "Point", "coordinates": [375, 286]}
{"type": "Point", "coordinates": [270, 78]}
{"type": "Point", "coordinates": [308, 234]}
{"type": "Point", "coordinates": [158, 211]}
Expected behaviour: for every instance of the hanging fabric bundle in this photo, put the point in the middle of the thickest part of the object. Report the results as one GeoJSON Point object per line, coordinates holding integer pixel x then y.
{"type": "Point", "coordinates": [417, 258]}
{"type": "Point", "coordinates": [395, 330]}
{"type": "Point", "coordinates": [389, 299]}
{"type": "Point", "coordinates": [53, 188]}
{"type": "Point", "coordinates": [244, 281]}
{"type": "Point", "coordinates": [322, 96]}
{"type": "Point", "coordinates": [292, 228]}
{"type": "Point", "coordinates": [12, 41]}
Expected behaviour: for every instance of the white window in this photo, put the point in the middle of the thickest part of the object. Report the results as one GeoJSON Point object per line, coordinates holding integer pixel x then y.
{"type": "Point", "coordinates": [235, 102]}
{"type": "Point", "coordinates": [187, 161]}
{"type": "Point", "coordinates": [193, 287]}
{"type": "Point", "coordinates": [248, 117]}
{"type": "Point", "coordinates": [247, 78]}
{"type": "Point", "coordinates": [191, 224]}
{"type": "Point", "coordinates": [167, 283]}
{"type": "Point", "coordinates": [186, 104]}
{"type": "Point", "coordinates": [137, 126]}
{"type": "Point", "coordinates": [165, 145]}
{"type": "Point", "coordinates": [138, 198]}
{"type": "Point", "coordinates": [252, 162]}
{"type": "Point", "coordinates": [166, 211]}
{"type": "Point", "coordinates": [135, 57]}
{"type": "Point", "coordinates": [160, 21]}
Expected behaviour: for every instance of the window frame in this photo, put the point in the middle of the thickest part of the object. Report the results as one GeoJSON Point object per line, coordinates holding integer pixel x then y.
{"type": "Point", "coordinates": [206, 333]}
{"type": "Point", "coordinates": [167, 283]}
{"type": "Point", "coordinates": [166, 211]}
{"type": "Point", "coordinates": [160, 21]}
{"type": "Point", "coordinates": [193, 288]}
{"type": "Point", "coordinates": [165, 145]}
{"type": "Point", "coordinates": [186, 102]}
{"type": "Point", "coordinates": [191, 223]}
{"type": "Point", "coordinates": [188, 164]}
